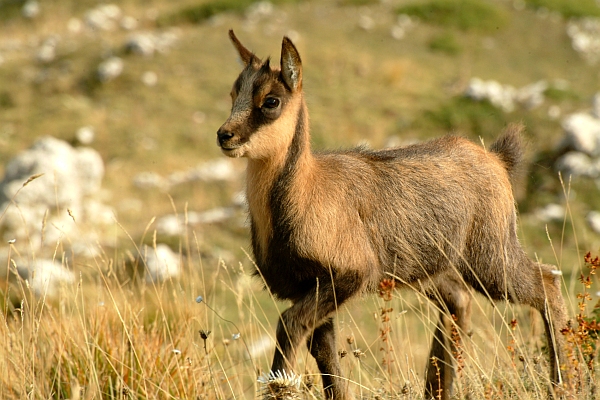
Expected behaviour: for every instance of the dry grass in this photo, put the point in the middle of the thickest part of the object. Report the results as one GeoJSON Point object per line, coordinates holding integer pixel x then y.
{"type": "Point", "coordinates": [209, 335]}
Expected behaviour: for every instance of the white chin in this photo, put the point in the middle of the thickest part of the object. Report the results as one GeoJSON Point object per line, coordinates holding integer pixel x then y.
{"type": "Point", "coordinates": [233, 153]}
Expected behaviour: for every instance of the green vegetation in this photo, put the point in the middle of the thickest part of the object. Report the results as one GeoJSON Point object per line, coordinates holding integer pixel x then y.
{"type": "Point", "coordinates": [568, 8]}
{"type": "Point", "coordinates": [462, 14]}
{"type": "Point", "coordinates": [358, 2]}
{"type": "Point", "coordinates": [464, 115]}
{"type": "Point", "coordinates": [560, 94]}
{"type": "Point", "coordinates": [198, 13]}
{"type": "Point", "coordinates": [445, 43]}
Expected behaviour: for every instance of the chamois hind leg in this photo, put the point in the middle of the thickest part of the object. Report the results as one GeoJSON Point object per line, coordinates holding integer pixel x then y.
{"type": "Point", "coordinates": [536, 285]}
{"type": "Point", "coordinates": [453, 298]}
{"type": "Point", "coordinates": [542, 291]}
{"type": "Point", "coordinates": [322, 346]}
{"type": "Point", "coordinates": [309, 312]}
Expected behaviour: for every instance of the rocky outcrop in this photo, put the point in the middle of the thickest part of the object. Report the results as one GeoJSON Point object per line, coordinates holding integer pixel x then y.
{"type": "Point", "coordinates": [50, 188]}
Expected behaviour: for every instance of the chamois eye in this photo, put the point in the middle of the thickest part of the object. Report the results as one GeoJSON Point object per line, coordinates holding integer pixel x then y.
{"type": "Point", "coordinates": [271, 102]}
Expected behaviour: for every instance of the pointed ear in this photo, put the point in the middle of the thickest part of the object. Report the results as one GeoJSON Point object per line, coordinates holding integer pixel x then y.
{"type": "Point", "coordinates": [246, 55]}
{"type": "Point", "coordinates": [291, 65]}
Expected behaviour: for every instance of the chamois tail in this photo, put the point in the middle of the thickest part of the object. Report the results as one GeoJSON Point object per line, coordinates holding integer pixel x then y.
{"type": "Point", "coordinates": [509, 148]}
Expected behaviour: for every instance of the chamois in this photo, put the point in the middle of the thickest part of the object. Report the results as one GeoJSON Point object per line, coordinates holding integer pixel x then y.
{"type": "Point", "coordinates": [437, 216]}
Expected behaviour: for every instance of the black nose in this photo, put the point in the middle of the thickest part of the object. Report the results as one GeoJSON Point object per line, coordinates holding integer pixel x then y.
{"type": "Point", "coordinates": [223, 135]}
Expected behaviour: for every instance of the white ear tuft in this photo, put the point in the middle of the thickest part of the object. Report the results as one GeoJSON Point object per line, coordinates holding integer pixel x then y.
{"type": "Point", "coordinates": [291, 65]}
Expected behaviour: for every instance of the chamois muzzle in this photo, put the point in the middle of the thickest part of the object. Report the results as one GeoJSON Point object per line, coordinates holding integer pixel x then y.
{"type": "Point", "coordinates": [223, 136]}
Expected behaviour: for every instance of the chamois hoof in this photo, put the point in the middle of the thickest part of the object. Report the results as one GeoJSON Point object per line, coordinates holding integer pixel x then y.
{"type": "Point", "coordinates": [280, 385]}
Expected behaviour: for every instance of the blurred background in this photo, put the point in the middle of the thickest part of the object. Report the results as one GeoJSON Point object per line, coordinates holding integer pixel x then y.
{"type": "Point", "coordinates": [117, 105]}
{"type": "Point", "coordinates": [145, 84]}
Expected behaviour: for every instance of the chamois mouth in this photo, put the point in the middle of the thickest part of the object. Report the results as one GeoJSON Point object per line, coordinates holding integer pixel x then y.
{"type": "Point", "coordinates": [232, 151]}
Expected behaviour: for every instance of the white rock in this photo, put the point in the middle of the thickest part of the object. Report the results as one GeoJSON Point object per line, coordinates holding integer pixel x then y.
{"type": "Point", "coordinates": [110, 69]}
{"type": "Point", "coordinates": [585, 37]}
{"type": "Point", "coordinates": [220, 169]}
{"type": "Point", "coordinates": [582, 133]}
{"type": "Point", "coordinates": [70, 177]}
{"type": "Point", "coordinates": [161, 263]}
{"type": "Point", "coordinates": [170, 225]}
{"type": "Point", "coordinates": [149, 78]}
{"type": "Point", "coordinates": [365, 22]}
{"type": "Point", "coordinates": [211, 216]}
{"type": "Point", "coordinates": [398, 32]}
{"type": "Point", "coordinates": [85, 135]}
{"type": "Point", "coordinates": [554, 112]}
{"type": "Point", "coordinates": [593, 219]}
{"type": "Point", "coordinates": [499, 95]}
{"type": "Point", "coordinates": [596, 105]}
{"type": "Point", "coordinates": [45, 276]}
{"type": "Point", "coordinates": [74, 25]}
{"type": "Point", "coordinates": [110, 10]}
{"type": "Point", "coordinates": [141, 43]}
{"type": "Point", "coordinates": [149, 43]}
{"type": "Point", "coordinates": [89, 170]}
{"type": "Point", "coordinates": [575, 163]}
{"type": "Point", "coordinates": [103, 18]}
{"type": "Point", "coordinates": [199, 117]}
{"type": "Point", "coordinates": [174, 225]}
{"type": "Point", "coordinates": [129, 23]}
{"type": "Point", "coordinates": [259, 10]}
{"type": "Point", "coordinates": [532, 95]}
{"type": "Point", "coordinates": [150, 180]}
{"type": "Point", "coordinates": [261, 347]}
{"type": "Point", "coordinates": [551, 212]}
{"type": "Point", "coordinates": [47, 51]}
{"type": "Point", "coordinates": [405, 21]}
{"type": "Point", "coordinates": [31, 9]}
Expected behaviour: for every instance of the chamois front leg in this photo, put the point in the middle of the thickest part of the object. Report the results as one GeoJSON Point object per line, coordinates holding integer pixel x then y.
{"type": "Point", "coordinates": [453, 298]}
{"type": "Point", "coordinates": [322, 346]}
{"type": "Point", "coordinates": [311, 312]}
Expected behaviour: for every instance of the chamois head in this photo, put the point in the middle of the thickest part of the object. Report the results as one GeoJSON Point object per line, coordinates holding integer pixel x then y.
{"type": "Point", "coordinates": [265, 102]}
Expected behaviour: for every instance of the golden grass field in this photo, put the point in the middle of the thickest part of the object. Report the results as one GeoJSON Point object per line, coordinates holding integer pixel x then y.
{"type": "Point", "coordinates": [112, 335]}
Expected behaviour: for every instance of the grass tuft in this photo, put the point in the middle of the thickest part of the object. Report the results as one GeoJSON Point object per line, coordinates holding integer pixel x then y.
{"type": "Point", "coordinates": [466, 15]}
{"type": "Point", "coordinates": [196, 14]}
{"type": "Point", "coordinates": [568, 8]}
{"type": "Point", "coordinates": [445, 43]}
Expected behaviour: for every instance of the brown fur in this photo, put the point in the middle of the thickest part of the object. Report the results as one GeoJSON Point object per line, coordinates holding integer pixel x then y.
{"type": "Point", "coordinates": [437, 216]}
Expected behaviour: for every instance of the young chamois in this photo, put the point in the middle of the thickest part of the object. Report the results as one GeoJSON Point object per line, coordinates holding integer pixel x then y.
{"type": "Point", "coordinates": [438, 216]}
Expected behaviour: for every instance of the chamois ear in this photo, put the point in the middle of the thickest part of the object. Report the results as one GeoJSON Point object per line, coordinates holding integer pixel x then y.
{"type": "Point", "coordinates": [291, 65]}
{"type": "Point", "coordinates": [246, 55]}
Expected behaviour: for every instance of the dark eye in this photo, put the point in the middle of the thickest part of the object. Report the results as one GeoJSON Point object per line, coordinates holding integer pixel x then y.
{"type": "Point", "coordinates": [271, 102]}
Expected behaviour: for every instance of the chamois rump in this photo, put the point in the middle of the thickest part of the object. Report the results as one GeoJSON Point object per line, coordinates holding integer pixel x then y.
{"type": "Point", "coordinates": [327, 226]}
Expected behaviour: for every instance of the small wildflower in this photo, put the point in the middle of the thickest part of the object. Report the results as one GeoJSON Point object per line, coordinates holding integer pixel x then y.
{"type": "Point", "coordinates": [342, 353]}
{"type": "Point", "coordinates": [176, 352]}
{"type": "Point", "coordinates": [204, 334]}
{"type": "Point", "coordinates": [358, 353]}
{"type": "Point", "coordinates": [12, 241]}
{"type": "Point", "coordinates": [236, 336]}
{"type": "Point", "coordinates": [556, 272]}
{"type": "Point", "coordinates": [406, 388]}
{"type": "Point", "coordinates": [350, 339]}
{"type": "Point", "coordinates": [199, 299]}
{"type": "Point", "coordinates": [280, 385]}
{"type": "Point", "coordinates": [226, 342]}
